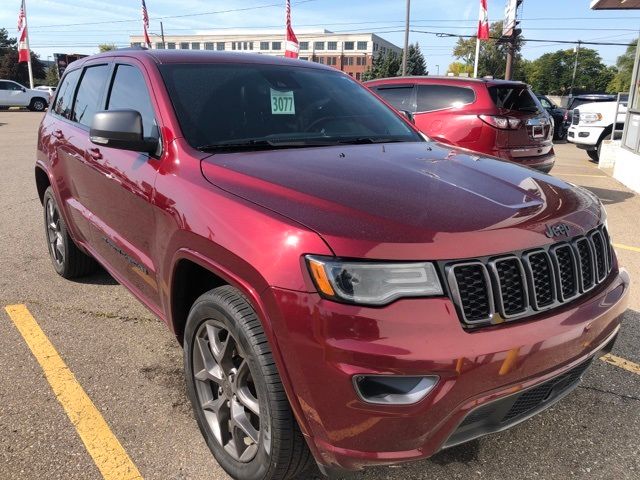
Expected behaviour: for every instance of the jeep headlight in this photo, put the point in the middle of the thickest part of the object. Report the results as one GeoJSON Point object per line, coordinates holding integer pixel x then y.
{"type": "Point", "coordinates": [590, 117]}
{"type": "Point", "coordinates": [372, 283]}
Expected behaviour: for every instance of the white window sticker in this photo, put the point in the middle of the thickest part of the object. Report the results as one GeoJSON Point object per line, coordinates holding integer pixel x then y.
{"type": "Point", "coordinates": [282, 103]}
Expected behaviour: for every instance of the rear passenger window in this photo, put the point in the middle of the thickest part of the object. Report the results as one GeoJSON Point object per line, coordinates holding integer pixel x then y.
{"type": "Point", "coordinates": [64, 99]}
{"type": "Point", "coordinates": [439, 97]}
{"type": "Point", "coordinates": [401, 97]}
{"type": "Point", "coordinates": [90, 94]}
{"type": "Point", "coordinates": [129, 91]}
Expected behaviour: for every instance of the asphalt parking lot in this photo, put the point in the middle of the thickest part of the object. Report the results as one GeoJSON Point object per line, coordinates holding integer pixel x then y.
{"type": "Point", "coordinates": [129, 366]}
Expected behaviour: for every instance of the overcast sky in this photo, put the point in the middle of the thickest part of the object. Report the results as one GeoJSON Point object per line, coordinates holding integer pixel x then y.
{"type": "Point", "coordinates": [112, 21]}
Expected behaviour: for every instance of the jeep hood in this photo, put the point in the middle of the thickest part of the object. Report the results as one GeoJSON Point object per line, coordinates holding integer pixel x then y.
{"type": "Point", "coordinates": [406, 200]}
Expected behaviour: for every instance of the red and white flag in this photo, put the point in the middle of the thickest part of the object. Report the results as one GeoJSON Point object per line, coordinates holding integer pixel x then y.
{"type": "Point", "coordinates": [483, 22]}
{"type": "Point", "coordinates": [23, 49]}
{"type": "Point", "coordinates": [145, 24]}
{"type": "Point", "coordinates": [291, 46]}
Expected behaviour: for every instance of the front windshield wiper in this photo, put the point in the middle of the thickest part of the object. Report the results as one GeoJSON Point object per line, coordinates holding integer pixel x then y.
{"type": "Point", "coordinates": [273, 143]}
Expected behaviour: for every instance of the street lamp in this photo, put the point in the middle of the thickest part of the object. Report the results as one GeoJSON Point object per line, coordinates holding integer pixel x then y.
{"type": "Point", "coordinates": [437, 69]}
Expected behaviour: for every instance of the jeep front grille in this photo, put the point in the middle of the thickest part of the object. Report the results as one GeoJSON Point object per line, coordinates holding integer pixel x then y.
{"type": "Point", "coordinates": [506, 287]}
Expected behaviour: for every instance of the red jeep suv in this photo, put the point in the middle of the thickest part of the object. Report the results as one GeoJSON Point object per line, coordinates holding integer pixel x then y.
{"type": "Point", "coordinates": [493, 117]}
{"type": "Point", "coordinates": [345, 291]}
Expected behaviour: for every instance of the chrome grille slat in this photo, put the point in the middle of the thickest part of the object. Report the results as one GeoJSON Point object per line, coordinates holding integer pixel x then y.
{"type": "Point", "coordinates": [507, 287]}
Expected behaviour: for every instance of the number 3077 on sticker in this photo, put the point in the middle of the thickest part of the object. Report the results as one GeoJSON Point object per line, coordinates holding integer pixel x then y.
{"type": "Point", "coordinates": [282, 103]}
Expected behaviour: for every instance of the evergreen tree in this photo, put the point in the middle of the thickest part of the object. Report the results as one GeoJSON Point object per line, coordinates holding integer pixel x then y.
{"type": "Point", "coordinates": [416, 64]}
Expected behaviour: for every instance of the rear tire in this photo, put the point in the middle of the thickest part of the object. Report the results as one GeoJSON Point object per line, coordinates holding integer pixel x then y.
{"type": "Point", "coordinates": [594, 154]}
{"type": "Point", "coordinates": [38, 104]}
{"type": "Point", "coordinates": [67, 259]}
{"type": "Point", "coordinates": [236, 393]}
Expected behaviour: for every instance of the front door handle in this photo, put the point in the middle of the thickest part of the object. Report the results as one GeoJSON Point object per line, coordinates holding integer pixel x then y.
{"type": "Point", "coordinates": [95, 153]}
{"type": "Point", "coordinates": [57, 134]}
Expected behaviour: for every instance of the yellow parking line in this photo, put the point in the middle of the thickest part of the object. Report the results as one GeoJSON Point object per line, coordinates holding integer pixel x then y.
{"type": "Point", "coordinates": [108, 454]}
{"type": "Point", "coordinates": [581, 175]}
{"type": "Point", "coordinates": [622, 363]}
{"type": "Point", "coordinates": [626, 247]}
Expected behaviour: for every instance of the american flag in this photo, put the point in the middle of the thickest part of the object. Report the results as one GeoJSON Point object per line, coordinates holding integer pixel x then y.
{"type": "Point", "coordinates": [145, 24]}
{"type": "Point", "coordinates": [291, 46]}
{"type": "Point", "coordinates": [23, 50]}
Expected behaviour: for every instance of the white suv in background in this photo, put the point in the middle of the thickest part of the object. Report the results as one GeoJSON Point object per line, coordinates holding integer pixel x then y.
{"type": "Point", "coordinates": [592, 123]}
{"type": "Point", "coordinates": [12, 94]}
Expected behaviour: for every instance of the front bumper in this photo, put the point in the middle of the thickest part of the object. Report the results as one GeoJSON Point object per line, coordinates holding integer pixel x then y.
{"type": "Point", "coordinates": [584, 137]}
{"type": "Point", "coordinates": [324, 344]}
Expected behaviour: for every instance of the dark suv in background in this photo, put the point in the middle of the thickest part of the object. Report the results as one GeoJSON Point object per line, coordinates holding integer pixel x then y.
{"type": "Point", "coordinates": [345, 291]}
{"type": "Point", "coordinates": [558, 114]}
{"type": "Point", "coordinates": [492, 117]}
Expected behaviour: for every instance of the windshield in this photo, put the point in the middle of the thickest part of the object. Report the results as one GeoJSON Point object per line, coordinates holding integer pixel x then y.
{"type": "Point", "coordinates": [253, 106]}
{"type": "Point", "coordinates": [519, 99]}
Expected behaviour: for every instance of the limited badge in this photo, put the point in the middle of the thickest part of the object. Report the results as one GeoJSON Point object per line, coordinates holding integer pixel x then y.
{"type": "Point", "coordinates": [282, 102]}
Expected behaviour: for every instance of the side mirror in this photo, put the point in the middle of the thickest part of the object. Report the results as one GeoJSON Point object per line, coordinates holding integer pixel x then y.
{"type": "Point", "coordinates": [120, 129]}
{"type": "Point", "coordinates": [23, 89]}
{"type": "Point", "coordinates": [408, 115]}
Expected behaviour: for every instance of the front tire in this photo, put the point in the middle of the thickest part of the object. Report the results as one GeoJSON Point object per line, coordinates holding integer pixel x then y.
{"type": "Point", "coordinates": [236, 393]}
{"type": "Point", "coordinates": [67, 259]}
{"type": "Point", "coordinates": [38, 105]}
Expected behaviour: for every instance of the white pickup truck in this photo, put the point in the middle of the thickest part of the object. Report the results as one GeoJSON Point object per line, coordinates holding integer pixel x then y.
{"type": "Point", "coordinates": [593, 123]}
{"type": "Point", "coordinates": [12, 94]}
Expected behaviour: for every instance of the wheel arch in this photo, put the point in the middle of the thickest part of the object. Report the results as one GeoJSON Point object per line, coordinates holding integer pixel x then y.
{"type": "Point", "coordinates": [42, 181]}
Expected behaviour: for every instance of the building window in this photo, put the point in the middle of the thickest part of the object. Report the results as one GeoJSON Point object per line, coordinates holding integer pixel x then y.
{"type": "Point", "coordinates": [136, 44]}
{"type": "Point", "coordinates": [318, 45]}
{"type": "Point", "coordinates": [208, 45]}
{"type": "Point", "coordinates": [195, 45]}
{"type": "Point", "coordinates": [358, 76]}
{"type": "Point", "coordinates": [348, 61]}
{"type": "Point", "coordinates": [159, 45]}
{"type": "Point", "coordinates": [220, 46]}
{"type": "Point", "coordinates": [184, 45]}
{"type": "Point", "coordinates": [361, 60]}
{"type": "Point", "coordinates": [303, 58]}
{"type": "Point", "coordinates": [332, 45]}
{"type": "Point", "coordinates": [362, 45]}
{"type": "Point", "coordinates": [375, 47]}
{"type": "Point", "coordinates": [233, 45]}
{"type": "Point", "coordinates": [348, 45]}
{"type": "Point", "coordinates": [171, 45]}
{"type": "Point", "coordinates": [332, 61]}
{"type": "Point", "coordinates": [276, 45]}
{"type": "Point", "coordinates": [320, 60]}
{"type": "Point", "coordinates": [264, 45]}
{"type": "Point", "coordinates": [304, 45]}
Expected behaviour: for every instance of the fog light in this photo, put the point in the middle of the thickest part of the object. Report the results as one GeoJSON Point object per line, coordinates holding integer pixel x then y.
{"type": "Point", "coordinates": [583, 134]}
{"type": "Point", "coordinates": [393, 389]}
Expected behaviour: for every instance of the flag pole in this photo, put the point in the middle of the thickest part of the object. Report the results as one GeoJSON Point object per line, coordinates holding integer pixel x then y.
{"type": "Point", "coordinates": [475, 65]}
{"type": "Point", "coordinates": [26, 26]}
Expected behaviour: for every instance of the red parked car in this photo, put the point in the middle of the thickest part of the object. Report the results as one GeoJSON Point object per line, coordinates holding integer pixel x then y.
{"type": "Point", "coordinates": [345, 291]}
{"type": "Point", "coordinates": [493, 117]}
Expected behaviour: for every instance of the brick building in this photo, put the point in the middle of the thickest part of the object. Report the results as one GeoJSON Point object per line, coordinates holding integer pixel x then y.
{"type": "Point", "coordinates": [349, 52]}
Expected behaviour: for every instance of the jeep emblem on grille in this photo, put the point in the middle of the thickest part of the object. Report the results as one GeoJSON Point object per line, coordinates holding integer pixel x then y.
{"type": "Point", "coordinates": [557, 230]}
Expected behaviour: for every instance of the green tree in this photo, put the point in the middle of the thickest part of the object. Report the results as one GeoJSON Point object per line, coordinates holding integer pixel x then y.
{"type": "Point", "coordinates": [458, 67]}
{"type": "Point", "coordinates": [493, 54]}
{"type": "Point", "coordinates": [384, 66]}
{"type": "Point", "coordinates": [416, 64]}
{"type": "Point", "coordinates": [106, 47]}
{"type": "Point", "coordinates": [552, 72]}
{"type": "Point", "coordinates": [9, 66]}
{"type": "Point", "coordinates": [51, 77]}
{"type": "Point", "coordinates": [621, 81]}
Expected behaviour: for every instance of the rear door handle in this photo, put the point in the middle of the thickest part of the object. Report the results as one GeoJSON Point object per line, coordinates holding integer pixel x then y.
{"type": "Point", "coordinates": [57, 133]}
{"type": "Point", "coordinates": [95, 153]}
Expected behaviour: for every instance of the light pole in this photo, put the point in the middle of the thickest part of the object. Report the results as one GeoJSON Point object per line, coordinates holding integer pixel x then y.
{"type": "Point", "coordinates": [437, 69]}
{"type": "Point", "coordinates": [575, 69]}
{"type": "Point", "coordinates": [406, 39]}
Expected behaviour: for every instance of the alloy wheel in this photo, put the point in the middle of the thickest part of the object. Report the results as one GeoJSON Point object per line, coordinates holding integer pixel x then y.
{"type": "Point", "coordinates": [54, 233]}
{"type": "Point", "coordinates": [226, 391]}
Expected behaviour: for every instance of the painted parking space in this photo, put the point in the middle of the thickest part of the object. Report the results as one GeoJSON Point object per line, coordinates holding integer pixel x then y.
{"type": "Point", "coordinates": [110, 457]}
